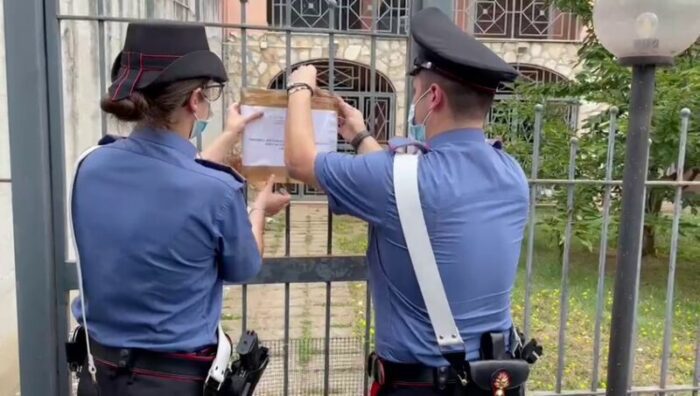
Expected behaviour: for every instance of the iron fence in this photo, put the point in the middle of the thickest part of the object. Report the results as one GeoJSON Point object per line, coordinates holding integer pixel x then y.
{"type": "Point", "coordinates": [46, 274]}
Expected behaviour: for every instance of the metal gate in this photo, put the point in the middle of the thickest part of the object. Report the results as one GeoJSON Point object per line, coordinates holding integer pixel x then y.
{"type": "Point", "coordinates": [44, 36]}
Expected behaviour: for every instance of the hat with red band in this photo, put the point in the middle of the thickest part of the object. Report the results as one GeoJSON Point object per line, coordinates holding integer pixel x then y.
{"type": "Point", "coordinates": [162, 53]}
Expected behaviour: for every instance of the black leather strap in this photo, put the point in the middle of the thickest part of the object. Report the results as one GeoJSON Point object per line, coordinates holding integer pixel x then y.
{"type": "Point", "coordinates": [358, 139]}
{"type": "Point", "coordinates": [194, 367]}
{"type": "Point", "coordinates": [389, 373]}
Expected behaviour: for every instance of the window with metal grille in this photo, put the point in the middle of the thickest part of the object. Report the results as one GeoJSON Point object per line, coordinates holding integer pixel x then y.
{"type": "Point", "coordinates": [517, 19]}
{"type": "Point", "coordinates": [391, 16]}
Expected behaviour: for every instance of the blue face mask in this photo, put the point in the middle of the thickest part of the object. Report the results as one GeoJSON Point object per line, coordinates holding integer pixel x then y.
{"type": "Point", "coordinates": [416, 131]}
{"type": "Point", "coordinates": [200, 125]}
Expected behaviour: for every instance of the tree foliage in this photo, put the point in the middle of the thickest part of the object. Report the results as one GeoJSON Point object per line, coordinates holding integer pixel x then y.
{"type": "Point", "coordinates": [603, 81]}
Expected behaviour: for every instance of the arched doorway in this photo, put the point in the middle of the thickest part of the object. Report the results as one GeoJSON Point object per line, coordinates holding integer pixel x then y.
{"type": "Point", "coordinates": [353, 82]}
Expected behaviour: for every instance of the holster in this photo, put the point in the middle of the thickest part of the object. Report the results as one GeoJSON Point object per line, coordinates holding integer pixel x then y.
{"type": "Point", "coordinates": [499, 372]}
{"type": "Point", "coordinates": [76, 349]}
{"type": "Point", "coordinates": [246, 371]}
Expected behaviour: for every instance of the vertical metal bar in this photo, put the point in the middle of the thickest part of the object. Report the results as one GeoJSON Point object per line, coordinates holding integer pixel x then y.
{"type": "Point", "coordinates": [287, 230]}
{"type": "Point", "coordinates": [329, 236]}
{"type": "Point", "coordinates": [102, 59]}
{"type": "Point", "coordinates": [677, 209]}
{"type": "Point", "coordinates": [286, 339]}
{"type": "Point", "coordinates": [288, 35]}
{"type": "Point", "coordinates": [414, 6]}
{"type": "Point", "coordinates": [244, 288]}
{"type": "Point", "coordinates": [368, 333]}
{"type": "Point", "coordinates": [600, 295]}
{"type": "Point", "coordinates": [32, 36]}
{"type": "Point", "coordinates": [327, 343]}
{"type": "Point", "coordinates": [224, 17]}
{"type": "Point", "coordinates": [150, 8]}
{"type": "Point", "coordinates": [511, 30]}
{"type": "Point", "coordinates": [564, 302]}
{"type": "Point", "coordinates": [331, 46]}
{"type": "Point", "coordinates": [244, 44]}
{"type": "Point", "coordinates": [532, 220]}
{"type": "Point", "coordinates": [696, 376]}
{"type": "Point", "coordinates": [287, 211]}
{"type": "Point", "coordinates": [633, 200]}
{"type": "Point", "coordinates": [373, 68]}
{"type": "Point", "coordinates": [635, 309]}
{"type": "Point", "coordinates": [331, 83]}
{"type": "Point", "coordinates": [197, 16]}
{"type": "Point", "coordinates": [244, 308]}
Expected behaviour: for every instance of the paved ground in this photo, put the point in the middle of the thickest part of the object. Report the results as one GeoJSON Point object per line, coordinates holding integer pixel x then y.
{"type": "Point", "coordinates": [307, 316]}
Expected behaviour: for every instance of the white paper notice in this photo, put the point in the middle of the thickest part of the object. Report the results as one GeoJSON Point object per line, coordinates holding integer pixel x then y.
{"type": "Point", "coordinates": [263, 140]}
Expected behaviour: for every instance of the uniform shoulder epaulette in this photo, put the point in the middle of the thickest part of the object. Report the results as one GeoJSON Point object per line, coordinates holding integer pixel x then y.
{"type": "Point", "coordinates": [221, 168]}
{"type": "Point", "coordinates": [402, 144]}
{"type": "Point", "coordinates": [109, 139]}
{"type": "Point", "coordinates": [495, 143]}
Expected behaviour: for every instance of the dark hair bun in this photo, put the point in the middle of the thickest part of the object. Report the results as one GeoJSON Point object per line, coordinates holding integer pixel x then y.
{"type": "Point", "coordinates": [134, 108]}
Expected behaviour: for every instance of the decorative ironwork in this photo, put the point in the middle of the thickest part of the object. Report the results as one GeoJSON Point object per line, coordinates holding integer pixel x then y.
{"type": "Point", "coordinates": [516, 19]}
{"type": "Point", "coordinates": [532, 74]}
{"type": "Point", "coordinates": [391, 17]}
{"type": "Point", "coordinates": [560, 109]}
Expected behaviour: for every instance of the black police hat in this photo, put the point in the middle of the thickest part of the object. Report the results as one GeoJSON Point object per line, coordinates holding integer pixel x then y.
{"type": "Point", "coordinates": [444, 48]}
{"type": "Point", "coordinates": [159, 53]}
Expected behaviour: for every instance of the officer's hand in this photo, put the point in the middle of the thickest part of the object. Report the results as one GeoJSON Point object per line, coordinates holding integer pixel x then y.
{"type": "Point", "coordinates": [350, 120]}
{"type": "Point", "coordinates": [304, 74]}
{"type": "Point", "coordinates": [235, 122]}
{"type": "Point", "coordinates": [271, 202]}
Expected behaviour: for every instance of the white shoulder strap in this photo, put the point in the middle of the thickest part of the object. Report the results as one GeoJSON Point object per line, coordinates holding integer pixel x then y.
{"type": "Point", "coordinates": [91, 361]}
{"type": "Point", "coordinates": [421, 252]}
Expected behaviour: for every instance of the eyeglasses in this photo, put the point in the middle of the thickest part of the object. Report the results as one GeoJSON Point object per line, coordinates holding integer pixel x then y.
{"type": "Point", "coordinates": [213, 91]}
{"type": "Point", "coordinates": [417, 68]}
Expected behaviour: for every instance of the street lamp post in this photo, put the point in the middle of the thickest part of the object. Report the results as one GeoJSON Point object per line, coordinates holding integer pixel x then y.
{"type": "Point", "coordinates": [643, 34]}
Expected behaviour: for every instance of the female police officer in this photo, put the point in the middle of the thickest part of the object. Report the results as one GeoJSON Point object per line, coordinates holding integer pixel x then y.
{"type": "Point", "coordinates": [158, 226]}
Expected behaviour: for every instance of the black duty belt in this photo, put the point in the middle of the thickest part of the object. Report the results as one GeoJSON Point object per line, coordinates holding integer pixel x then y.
{"type": "Point", "coordinates": [411, 375]}
{"type": "Point", "coordinates": [173, 366]}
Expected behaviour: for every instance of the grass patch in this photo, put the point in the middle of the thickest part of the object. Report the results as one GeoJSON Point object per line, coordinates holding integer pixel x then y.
{"type": "Point", "coordinates": [275, 229]}
{"type": "Point", "coordinates": [305, 347]}
{"type": "Point", "coordinates": [350, 238]}
{"type": "Point", "coordinates": [229, 316]}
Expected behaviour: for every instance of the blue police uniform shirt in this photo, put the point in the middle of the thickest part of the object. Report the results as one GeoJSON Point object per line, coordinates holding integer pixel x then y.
{"type": "Point", "coordinates": [475, 203]}
{"type": "Point", "coordinates": [158, 234]}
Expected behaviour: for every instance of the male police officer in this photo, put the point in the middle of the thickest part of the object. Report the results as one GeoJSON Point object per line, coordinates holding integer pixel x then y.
{"type": "Point", "coordinates": [474, 200]}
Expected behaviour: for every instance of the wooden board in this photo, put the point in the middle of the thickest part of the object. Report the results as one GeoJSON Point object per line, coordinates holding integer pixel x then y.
{"type": "Point", "coordinates": [272, 98]}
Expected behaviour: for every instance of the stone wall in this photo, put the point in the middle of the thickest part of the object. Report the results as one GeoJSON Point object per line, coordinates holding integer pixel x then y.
{"type": "Point", "coordinates": [558, 57]}
{"type": "Point", "coordinates": [266, 58]}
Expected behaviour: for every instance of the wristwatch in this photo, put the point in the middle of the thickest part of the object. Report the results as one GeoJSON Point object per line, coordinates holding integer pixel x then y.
{"type": "Point", "coordinates": [359, 138]}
